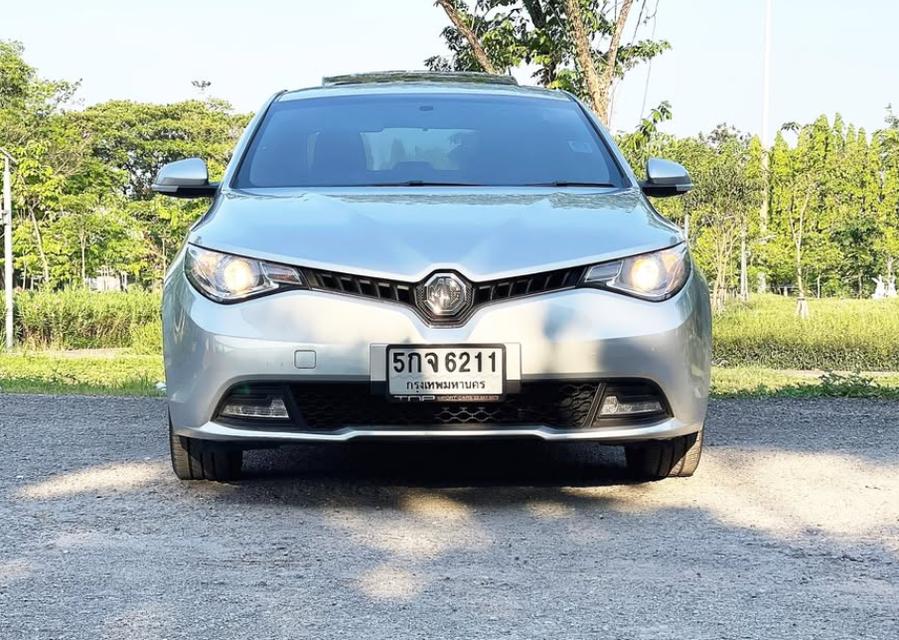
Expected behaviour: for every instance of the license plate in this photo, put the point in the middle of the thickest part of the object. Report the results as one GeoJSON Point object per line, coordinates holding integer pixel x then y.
{"type": "Point", "coordinates": [445, 373]}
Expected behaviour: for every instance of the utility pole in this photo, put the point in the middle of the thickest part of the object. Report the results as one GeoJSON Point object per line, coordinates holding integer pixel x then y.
{"type": "Point", "coordinates": [766, 93]}
{"type": "Point", "coordinates": [7, 245]}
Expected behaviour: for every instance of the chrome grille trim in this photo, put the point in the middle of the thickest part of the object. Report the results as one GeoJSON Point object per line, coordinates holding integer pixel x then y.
{"type": "Point", "coordinates": [483, 292]}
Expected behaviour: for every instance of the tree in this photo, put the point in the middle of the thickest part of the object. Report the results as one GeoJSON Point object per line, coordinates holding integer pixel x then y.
{"type": "Point", "coordinates": [726, 168]}
{"type": "Point", "coordinates": [598, 84]}
{"type": "Point", "coordinates": [33, 128]}
{"type": "Point", "coordinates": [82, 182]}
{"type": "Point", "coordinates": [461, 20]}
{"type": "Point", "coordinates": [884, 157]}
{"type": "Point", "coordinates": [499, 35]}
{"type": "Point", "coordinates": [802, 181]}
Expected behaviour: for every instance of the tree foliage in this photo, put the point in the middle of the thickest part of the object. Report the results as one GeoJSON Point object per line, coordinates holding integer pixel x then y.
{"type": "Point", "coordinates": [83, 204]}
{"type": "Point", "coordinates": [834, 203]}
{"type": "Point", "coordinates": [82, 198]}
{"type": "Point", "coordinates": [541, 33]}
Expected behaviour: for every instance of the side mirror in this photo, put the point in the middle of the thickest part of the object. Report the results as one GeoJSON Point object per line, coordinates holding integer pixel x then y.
{"type": "Point", "coordinates": [185, 179]}
{"type": "Point", "coordinates": [665, 178]}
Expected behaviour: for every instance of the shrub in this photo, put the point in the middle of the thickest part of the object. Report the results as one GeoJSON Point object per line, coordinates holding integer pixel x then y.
{"type": "Point", "coordinates": [80, 319]}
{"type": "Point", "coordinates": [146, 339]}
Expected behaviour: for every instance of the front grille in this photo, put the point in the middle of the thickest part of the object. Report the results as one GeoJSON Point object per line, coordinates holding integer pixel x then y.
{"type": "Point", "coordinates": [330, 406]}
{"type": "Point", "coordinates": [483, 292]}
{"type": "Point", "coordinates": [527, 285]}
{"type": "Point", "coordinates": [361, 286]}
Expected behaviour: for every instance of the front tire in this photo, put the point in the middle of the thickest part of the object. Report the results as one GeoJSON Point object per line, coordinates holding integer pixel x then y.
{"type": "Point", "coordinates": [659, 459]}
{"type": "Point", "coordinates": [193, 459]}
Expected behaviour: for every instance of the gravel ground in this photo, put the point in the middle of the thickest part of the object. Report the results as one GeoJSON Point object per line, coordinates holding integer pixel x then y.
{"type": "Point", "coordinates": [790, 529]}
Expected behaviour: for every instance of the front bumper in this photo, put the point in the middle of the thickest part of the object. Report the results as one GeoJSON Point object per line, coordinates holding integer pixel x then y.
{"type": "Point", "coordinates": [568, 335]}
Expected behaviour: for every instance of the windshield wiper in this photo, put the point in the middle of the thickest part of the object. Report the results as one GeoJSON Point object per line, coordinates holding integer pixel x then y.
{"type": "Point", "coordinates": [423, 183]}
{"type": "Point", "coordinates": [569, 183]}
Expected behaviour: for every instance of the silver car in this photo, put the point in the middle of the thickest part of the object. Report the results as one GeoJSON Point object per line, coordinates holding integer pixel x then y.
{"type": "Point", "coordinates": [432, 256]}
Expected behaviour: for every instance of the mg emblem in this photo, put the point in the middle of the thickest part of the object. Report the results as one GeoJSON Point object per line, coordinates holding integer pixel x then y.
{"type": "Point", "coordinates": [443, 295]}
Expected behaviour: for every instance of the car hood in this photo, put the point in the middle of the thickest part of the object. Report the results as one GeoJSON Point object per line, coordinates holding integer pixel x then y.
{"type": "Point", "coordinates": [405, 234]}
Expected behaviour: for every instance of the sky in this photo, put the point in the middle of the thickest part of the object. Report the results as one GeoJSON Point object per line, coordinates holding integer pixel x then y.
{"type": "Point", "coordinates": [827, 56]}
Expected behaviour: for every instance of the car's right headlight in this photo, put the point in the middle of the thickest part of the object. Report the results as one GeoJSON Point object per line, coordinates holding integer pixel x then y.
{"type": "Point", "coordinates": [227, 278]}
{"type": "Point", "coordinates": [652, 276]}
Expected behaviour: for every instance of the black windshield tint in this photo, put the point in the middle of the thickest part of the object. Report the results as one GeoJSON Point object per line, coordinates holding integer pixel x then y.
{"type": "Point", "coordinates": [424, 140]}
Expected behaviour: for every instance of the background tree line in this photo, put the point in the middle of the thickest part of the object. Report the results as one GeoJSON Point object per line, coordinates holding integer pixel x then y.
{"type": "Point", "coordinates": [81, 184]}
{"type": "Point", "coordinates": [830, 225]}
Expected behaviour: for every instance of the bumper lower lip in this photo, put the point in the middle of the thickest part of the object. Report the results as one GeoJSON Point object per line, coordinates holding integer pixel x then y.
{"type": "Point", "coordinates": [667, 428]}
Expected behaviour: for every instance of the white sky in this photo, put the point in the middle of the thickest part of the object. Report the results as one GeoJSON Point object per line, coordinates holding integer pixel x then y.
{"type": "Point", "coordinates": [828, 56]}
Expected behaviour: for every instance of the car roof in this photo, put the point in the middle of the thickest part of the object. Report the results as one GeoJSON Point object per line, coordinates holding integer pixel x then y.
{"type": "Point", "coordinates": [393, 82]}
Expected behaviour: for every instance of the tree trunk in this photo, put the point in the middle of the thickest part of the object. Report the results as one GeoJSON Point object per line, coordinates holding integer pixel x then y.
{"type": "Point", "coordinates": [584, 53]}
{"type": "Point", "coordinates": [801, 302]}
{"type": "Point", "coordinates": [611, 59]}
{"type": "Point", "coordinates": [83, 241]}
{"type": "Point", "coordinates": [724, 247]}
{"type": "Point", "coordinates": [798, 231]}
{"type": "Point", "coordinates": [744, 275]}
{"type": "Point", "coordinates": [38, 239]}
{"type": "Point", "coordinates": [460, 22]}
{"type": "Point", "coordinates": [598, 85]}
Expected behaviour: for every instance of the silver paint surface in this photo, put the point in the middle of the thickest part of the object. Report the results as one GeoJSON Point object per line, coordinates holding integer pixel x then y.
{"type": "Point", "coordinates": [407, 233]}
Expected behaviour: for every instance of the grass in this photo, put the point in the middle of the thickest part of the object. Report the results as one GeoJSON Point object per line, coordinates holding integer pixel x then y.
{"type": "Point", "coordinates": [119, 372]}
{"type": "Point", "coordinates": [112, 372]}
{"type": "Point", "coordinates": [845, 335]}
{"type": "Point", "coordinates": [761, 382]}
{"type": "Point", "coordinates": [762, 349]}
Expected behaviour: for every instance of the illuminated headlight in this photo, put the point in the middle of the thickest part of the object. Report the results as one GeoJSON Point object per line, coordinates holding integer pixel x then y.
{"type": "Point", "coordinates": [652, 276]}
{"type": "Point", "coordinates": [226, 278]}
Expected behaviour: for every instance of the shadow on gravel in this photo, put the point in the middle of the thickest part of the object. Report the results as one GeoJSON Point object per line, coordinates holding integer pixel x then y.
{"type": "Point", "coordinates": [468, 475]}
{"type": "Point", "coordinates": [456, 464]}
{"type": "Point", "coordinates": [789, 529]}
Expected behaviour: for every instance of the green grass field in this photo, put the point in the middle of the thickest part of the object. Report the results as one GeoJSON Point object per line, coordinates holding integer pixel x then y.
{"type": "Point", "coordinates": [760, 349]}
{"type": "Point", "coordinates": [843, 335]}
{"type": "Point", "coordinates": [114, 372]}
{"type": "Point", "coordinates": [839, 334]}
{"type": "Point", "coordinates": [118, 372]}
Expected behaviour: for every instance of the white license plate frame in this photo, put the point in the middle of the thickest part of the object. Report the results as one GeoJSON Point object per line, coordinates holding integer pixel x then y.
{"type": "Point", "coordinates": [495, 382]}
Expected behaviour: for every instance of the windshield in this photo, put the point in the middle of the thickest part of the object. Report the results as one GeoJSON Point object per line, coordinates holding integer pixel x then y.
{"type": "Point", "coordinates": [426, 139]}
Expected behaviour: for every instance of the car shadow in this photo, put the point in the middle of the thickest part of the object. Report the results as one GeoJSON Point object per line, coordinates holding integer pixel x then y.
{"type": "Point", "coordinates": [441, 464]}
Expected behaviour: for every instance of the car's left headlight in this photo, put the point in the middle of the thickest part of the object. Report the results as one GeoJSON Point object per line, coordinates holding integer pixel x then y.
{"type": "Point", "coordinates": [652, 276]}
{"type": "Point", "coordinates": [228, 278]}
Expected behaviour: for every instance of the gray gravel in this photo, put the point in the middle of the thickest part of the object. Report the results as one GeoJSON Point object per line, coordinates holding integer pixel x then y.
{"type": "Point", "coordinates": [790, 529]}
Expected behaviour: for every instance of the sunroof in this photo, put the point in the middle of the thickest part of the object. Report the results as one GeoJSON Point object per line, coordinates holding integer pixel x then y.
{"type": "Point", "coordinates": [418, 76]}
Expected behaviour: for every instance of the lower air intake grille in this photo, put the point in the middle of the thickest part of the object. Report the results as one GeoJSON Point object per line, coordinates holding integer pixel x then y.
{"type": "Point", "coordinates": [331, 406]}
